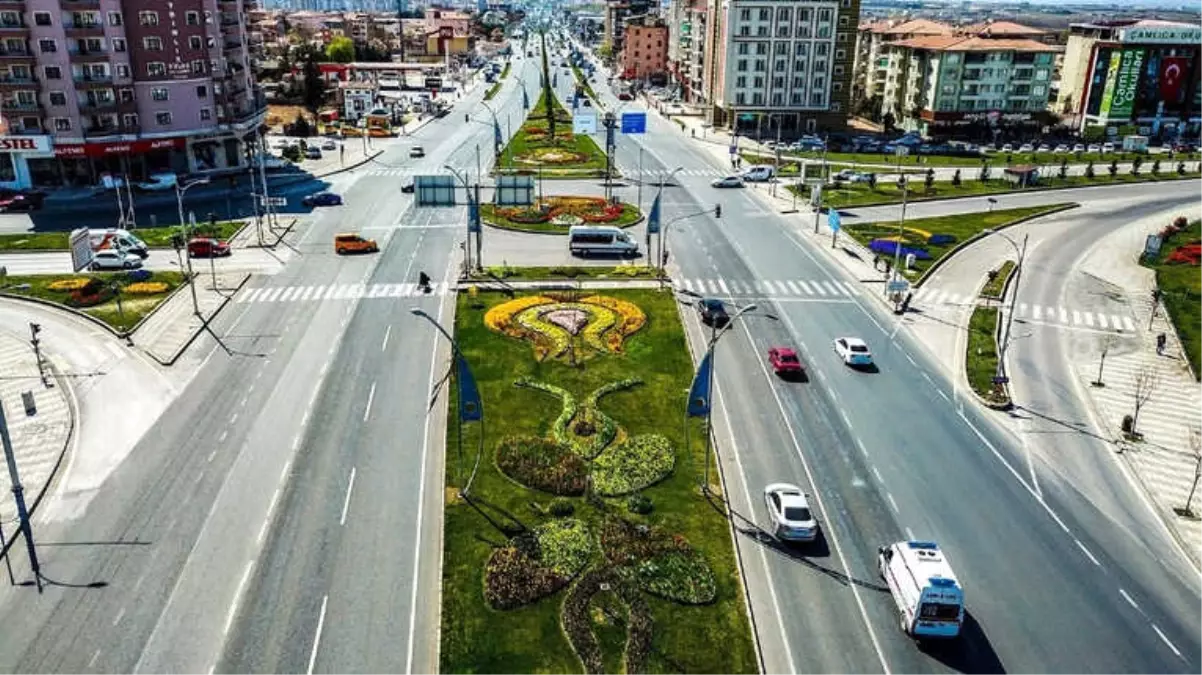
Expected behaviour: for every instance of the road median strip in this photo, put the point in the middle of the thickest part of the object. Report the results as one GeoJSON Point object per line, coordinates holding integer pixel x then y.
{"type": "Point", "coordinates": [981, 356]}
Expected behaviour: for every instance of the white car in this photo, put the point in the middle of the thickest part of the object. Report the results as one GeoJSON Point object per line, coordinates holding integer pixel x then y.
{"type": "Point", "coordinates": [1094, 147]}
{"type": "Point", "coordinates": [329, 144]}
{"type": "Point", "coordinates": [727, 182]}
{"type": "Point", "coordinates": [1078, 148]}
{"type": "Point", "coordinates": [853, 351]}
{"type": "Point", "coordinates": [790, 512]}
{"type": "Point", "coordinates": [1007, 148]}
{"type": "Point", "coordinates": [1026, 147]}
{"type": "Point", "coordinates": [852, 176]}
{"type": "Point", "coordinates": [114, 260]}
{"type": "Point", "coordinates": [1107, 147]}
{"type": "Point", "coordinates": [1044, 148]}
{"type": "Point", "coordinates": [1061, 149]}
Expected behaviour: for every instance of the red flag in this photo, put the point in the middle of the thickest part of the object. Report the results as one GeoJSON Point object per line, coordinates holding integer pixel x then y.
{"type": "Point", "coordinates": [1172, 74]}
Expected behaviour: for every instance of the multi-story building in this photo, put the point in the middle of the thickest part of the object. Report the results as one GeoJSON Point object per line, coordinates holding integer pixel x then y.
{"type": "Point", "coordinates": [967, 85]}
{"type": "Point", "coordinates": [617, 13]}
{"type": "Point", "coordinates": [780, 66]}
{"type": "Point", "coordinates": [645, 50]}
{"type": "Point", "coordinates": [132, 86]}
{"type": "Point", "coordinates": [1133, 76]}
{"type": "Point", "coordinates": [687, 36]}
{"type": "Point", "coordinates": [871, 63]}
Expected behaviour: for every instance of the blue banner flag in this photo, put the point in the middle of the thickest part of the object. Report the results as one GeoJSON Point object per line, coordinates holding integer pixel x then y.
{"type": "Point", "coordinates": [653, 218]}
{"type": "Point", "coordinates": [834, 219]}
{"type": "Point", "coordinates": [496, 135]}
{"type": "Point", "coordinates": [699, 393]}
{"type": "Point", "coordinates": [471, 409]}
{"type": "Point", "coordinates": [473, 216]}
{"type": "Point", "coordinates": [525, 99]}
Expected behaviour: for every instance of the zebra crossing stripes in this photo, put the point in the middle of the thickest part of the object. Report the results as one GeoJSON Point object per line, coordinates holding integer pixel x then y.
{"type": "Point", "coordinates": [770, 287]}
{"type": "Point", "coordinates": [271, 294]}
{"type": "Point", "coordinates": [1047, 315]}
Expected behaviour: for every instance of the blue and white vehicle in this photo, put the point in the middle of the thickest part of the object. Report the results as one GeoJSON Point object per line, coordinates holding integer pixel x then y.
{"type": "Point", "coordinates": [930, 601]}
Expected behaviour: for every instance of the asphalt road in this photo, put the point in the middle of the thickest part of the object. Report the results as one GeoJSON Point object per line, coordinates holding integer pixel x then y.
{"type": "Point", "coordinates": [898, 453]}
{"type": "Point", "coordinates": [238, 490]}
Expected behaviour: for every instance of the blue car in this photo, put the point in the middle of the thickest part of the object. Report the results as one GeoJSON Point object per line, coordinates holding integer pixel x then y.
{"type": "Point", "coordinates": [322, 199]}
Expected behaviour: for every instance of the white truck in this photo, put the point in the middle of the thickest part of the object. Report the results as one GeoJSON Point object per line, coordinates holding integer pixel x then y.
{"type": "Point", "coordinates": [584, 240]}
{"type": "Point", "coordinates": [120, 240]}
{"type": "Point", "coordinates": [929, 599]}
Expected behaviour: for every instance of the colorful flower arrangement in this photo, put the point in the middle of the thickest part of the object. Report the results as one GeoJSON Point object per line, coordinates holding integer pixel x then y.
{"type": "Point", "coordinates": [610, 322]}
{"type": "Point", "coordinates": [68, 284]}
{"type": "Point", "coordinates": [146, 288]}
{"type": "Point", "coordinates": [586, 209]}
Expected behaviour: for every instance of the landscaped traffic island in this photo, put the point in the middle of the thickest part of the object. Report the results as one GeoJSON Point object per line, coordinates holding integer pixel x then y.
{"type": "Point", "coordinates": [119, 299]}
{"type": "Point", "coordinates": [585, 543]}
{"type": "Point", "coordinates": [534, 151]}
{"type": "Point", "coordinates": [554, 215]}
{"type": "Point", "coordinates": [1180, 283]}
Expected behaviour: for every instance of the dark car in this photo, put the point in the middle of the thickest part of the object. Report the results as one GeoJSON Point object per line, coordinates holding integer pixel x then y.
{"type": "Point", "coordinates": [21, 200]}
{"type": "Point", "coordinates": [713, 312]}
{"type": "Point", "coordinates": [322, 199]}
{"type": "Point", "coordinates": [408, 187]}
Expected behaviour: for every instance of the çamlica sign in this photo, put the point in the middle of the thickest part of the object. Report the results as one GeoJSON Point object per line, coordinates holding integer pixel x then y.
{"type": "Point", "coordinates": [1127, 86]}
{"type": "Point", "coordinates": [1179, 33]}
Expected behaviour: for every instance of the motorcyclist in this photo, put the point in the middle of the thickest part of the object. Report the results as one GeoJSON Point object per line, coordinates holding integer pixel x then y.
{"type": "Point", "coordinates": [423, 281]}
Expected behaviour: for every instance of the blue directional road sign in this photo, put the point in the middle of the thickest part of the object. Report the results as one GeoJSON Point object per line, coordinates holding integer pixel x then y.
{"type": "Point", "coordinates": [634, 122]}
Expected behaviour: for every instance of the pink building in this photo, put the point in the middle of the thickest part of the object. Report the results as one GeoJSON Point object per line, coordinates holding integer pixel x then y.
{"type": "Point", "coordinates": [644, 51]}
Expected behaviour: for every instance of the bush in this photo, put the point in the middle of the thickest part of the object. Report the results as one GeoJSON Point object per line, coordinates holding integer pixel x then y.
{"type": "Point", "coordinates": [638, 463]}
{"type": "Point", "coordinates": [512, 579]}
{"type": "Point", "coordinates": [564, 546]}
{"type": "Point", "coordinates": [640, 504]}
{"type": "Point", "coordinates": [561, 508]}
{"type": "Point", "coordinates": [542, 464]}
{"type": "Point", "coordinates": [680, 576]}
{"type": "Point", "coordinates": [578, 622]}
{"type": "Point", "coordinates": [292, 153]}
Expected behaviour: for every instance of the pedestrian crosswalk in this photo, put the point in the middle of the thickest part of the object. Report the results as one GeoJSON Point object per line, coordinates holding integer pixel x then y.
{"type": "Point", "coordinates": [1119, 321]}
{"type": "Point", "coordinates": [268, 294]}
{"type": "Point", "coordinates": [773, 288]}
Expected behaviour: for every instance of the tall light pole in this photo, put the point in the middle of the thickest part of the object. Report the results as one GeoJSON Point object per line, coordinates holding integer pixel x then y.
{"type": "Point", "coordinates": [1021, 251]}
{"type": "Point", "coordinates": [901, 232]}
{"type": "Point", "coordinates": [471, 406]}
{"type": "Point", "coordinates": [664, 232]}
{"type": "Point", "coordinates": [179, 201]}
{"type": "Point", "coordinates": [473, 202]}
{"type": "Point", "coordinates": [662, 179]}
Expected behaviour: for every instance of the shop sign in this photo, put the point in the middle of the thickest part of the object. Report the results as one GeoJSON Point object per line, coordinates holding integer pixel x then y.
{"type": "Point", "coordinates": [1127, 84]}
{"type": "Point", "coordinates": [24, 144]}
{"type": "Point", "coordinates": [1180, 34]}
{"type": "Point", "coordinates": [130, 148]}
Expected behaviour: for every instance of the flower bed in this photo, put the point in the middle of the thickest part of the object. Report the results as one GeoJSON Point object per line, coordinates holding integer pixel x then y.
{"type": "Point", "coordinates": [564, 546]}
{"type": "Point", "coordinates": [640, 462]}
{"type": "Point", "coordinates": [579, 618]}
{"type": "Point", "coordinates": [679, 576]}
{"type": "Point", "coordinates": [610, 322]}
{"type": "Point", "coordinates": [68, 284]}
{"type": "Point", "coordinates": [1187, 254]}
{"type": "Point", "coordinates": [146, 288]}
{"type": "Point", "coordinates": [542, 464]}
{"type": "Point", "coordinates": [537, 564]}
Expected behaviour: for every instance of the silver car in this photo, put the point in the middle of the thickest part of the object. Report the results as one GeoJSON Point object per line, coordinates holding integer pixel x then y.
{"type": "Point", "coordinates": [114, 260]}
{"type": "Point", "coordinates": [727, 182]}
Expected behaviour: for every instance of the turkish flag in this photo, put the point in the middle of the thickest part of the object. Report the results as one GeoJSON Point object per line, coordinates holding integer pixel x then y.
{"type": "Point", "coordinates": [1172, 75]}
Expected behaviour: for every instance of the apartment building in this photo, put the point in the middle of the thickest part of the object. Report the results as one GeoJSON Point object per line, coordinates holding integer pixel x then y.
{"type": "Point", "coordinates": [968, 85]}
{"type": "Point", "coordinates": [617, 13]}
{"type": "Point", "coordinates": [688, 22]}
{"type": "Point", "coordinates": [871, 63]}
{"type": "Point", "coordinates": [645, 50]}
{"type": "Point", "coordinates": [137, 86]}
{"type": "Point", "coordinates": [780, 65]}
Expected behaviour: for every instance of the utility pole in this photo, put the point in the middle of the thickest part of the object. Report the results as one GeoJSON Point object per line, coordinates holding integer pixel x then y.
{"type": "Point", "coordinates": [400, 23]}
{"type": "Point", "coordinates": [254, 197]}
{"type": "Point", "coordinates": [19, 498]}
{"type": "Point", "coordinates": [639, 198]}
{"type": "Point", "coordinates": [610, 121]}
{"type": "Point", "coordinates": [479, 232]}
{"type": "Point", "coordinates": [271, 221]}
{"type": "Point", "coordinates": [1018, 275]}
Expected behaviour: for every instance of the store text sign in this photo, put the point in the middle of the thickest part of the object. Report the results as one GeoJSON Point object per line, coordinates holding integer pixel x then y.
{"type": "Point", "coordinates": [22, 144]}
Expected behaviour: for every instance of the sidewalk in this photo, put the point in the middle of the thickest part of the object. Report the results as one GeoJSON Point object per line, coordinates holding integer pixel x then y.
{"type": "Point", "coordinates": [39, 441]}
{"type": "Point", "coordinates": [1163, 460]}
{"type": "Point", "coordinates": [171, 330]}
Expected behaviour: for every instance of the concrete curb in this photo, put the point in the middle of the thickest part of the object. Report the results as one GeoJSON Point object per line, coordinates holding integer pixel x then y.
{"type": "Point", "coordinates": [980, 235]}
{"type": "Point", "coordinates": [294, 180]}
{"type": "Point", "coordinates": [204, 324]}
{"type": "Point", "coordinates": [553, 234]}
{"type": "Point", "coordinates": [71, 310]}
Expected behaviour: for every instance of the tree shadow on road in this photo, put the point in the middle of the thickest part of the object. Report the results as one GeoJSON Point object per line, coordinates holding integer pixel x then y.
{"type": "Point", "coordinates": [969, 653]}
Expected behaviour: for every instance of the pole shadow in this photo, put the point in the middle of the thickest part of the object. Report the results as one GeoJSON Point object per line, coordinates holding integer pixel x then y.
{"type": "Point", "coordinates": [970, 653]}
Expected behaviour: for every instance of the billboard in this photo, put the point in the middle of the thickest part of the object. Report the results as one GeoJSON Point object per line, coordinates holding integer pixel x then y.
{"type": "Point", "coordinates": [584, 123]}
{"type": "Point", "coordinates": [514, 191]}
{"type": "Point", "coordinates": [81, 249]}
{"type": "Point", "coordinates": [1126, 87]}
{"type": "Point", "coordinates": [1112, 76]}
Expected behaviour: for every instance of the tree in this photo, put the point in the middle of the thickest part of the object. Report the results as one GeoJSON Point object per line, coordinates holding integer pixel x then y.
{"type": "Point", "coordinates": [956, 179]}
{"type": "Point", "coordinates": [1145, 380]}
{"type": "Point", "coordinates": [340, 50]}
{"type": "Point", "coordinates": [1135, 165]}
{"type": "Point", "coordinates": [548, 95]}
{"type": "Point", "coordinates": [1113, 169]}
{"type": "Point", "coordinates": [889, 122]}
{"type": "Point", "coordinates": [314, 86]}
{"type": "Point", "coordinates": [984, 176]}
{"type": "Point", "coordinates": [930, 180]}
{"type": "Point", "coordinates": [1089, 170]}
{"type": "Point", "coordinates": [1156, 167]}
{"type": "Point", "coordinates": [1063, 169]}
{"type": "Point", "coordinates": [1180, 168]}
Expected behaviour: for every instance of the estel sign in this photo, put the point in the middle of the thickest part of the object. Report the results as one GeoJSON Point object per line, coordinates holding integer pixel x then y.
{"type": "Point", "coordinates": [23, 144]}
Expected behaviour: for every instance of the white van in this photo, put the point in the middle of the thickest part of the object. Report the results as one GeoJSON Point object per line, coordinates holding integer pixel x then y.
{"type": "Point", "coordinates": [584, 240]}
{"type": "Point", "coordinates": [115, 239]}
{"type": "Point", "coordinates": [759, 174]}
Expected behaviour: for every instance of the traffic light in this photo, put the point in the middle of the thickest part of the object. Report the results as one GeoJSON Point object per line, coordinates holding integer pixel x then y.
{"type": "Point", "coordinates": [34, 329]}
{"type": "Point", "coordinates": [717, 210]}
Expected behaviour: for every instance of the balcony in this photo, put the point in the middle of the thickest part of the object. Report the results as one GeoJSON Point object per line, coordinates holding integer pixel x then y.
{"type": "Point", "coordinates": [99, 107]}
{"type": "Point", "coordinates": [84, 81]}
{"type": "Point", "coordinates": [87, 54]}
{"type": "Point", "coordinates": [231, 45]}
{"type": "Point", "coordinates": [79, 29]}
{"type": "Point", "coordinates": [11, 83]}
{"type": "Point", "coordinates": [10, 28]}
{"type": "Point", "coordinates": [112, 130]}
{"type": "Point", "coordinates": [229, 19]}
{"type": "Point", "coordinates": [24, 107]}
{"type": "Point", "coordinates": [80, 4]}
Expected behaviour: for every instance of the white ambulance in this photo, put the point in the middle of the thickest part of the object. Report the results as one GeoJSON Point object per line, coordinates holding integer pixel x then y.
{"type": "Point", "coordinates": [929, 599]}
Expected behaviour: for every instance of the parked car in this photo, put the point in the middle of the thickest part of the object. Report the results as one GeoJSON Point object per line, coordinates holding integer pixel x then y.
{"type": "Point", "coordinates": [322, 199]}
{"type": "Point", "coordinates": [1043, 147]}
{"type": "Point", "coordinates": [853, 351]}
{"type": "Point", "coordinates": [852, 176]}
{"type": "Point", "coordinates": [1008, 148]}
{"type": "Point", "coordinates": [784, 361]}
{"type": "Point", "coordinates": [1078, 147]}
{"type": "Point", "coordinates": [1094, 148]}
{"type": "Point", "coordinates": [329, 144]}
{"type": "Point", "coordinates": [158, 182]}
{"type": "Point", "coordinates": [312, 152]}
{"type": "Point", "coordinates": [727, 182]}
{"type": "Point", "coordinates": [1026, 147]}
{"type": "Point", "coordinates": [21, 200]}
{"type": "Point", "coordinates": [114, 260]}
{"type": "Point", "coordinates": [417, 151]}
{"type": "Point", "coordinates": [207, 247]}
{"type": "Point", "coordinates": [789, 511]}
{"type": "Point", "coordinates": [273, 163]}
{"type": "Point", "coordinates": [408, 187]}
{"type": "Point", "coordinates": [353, 243]}
{"type": "Point", "coordinates": [625, 96]}
{"type": "Point", "coordinates": [1061, 149]}
{"type": "Point", "coordinates": [1107, 147]}
{"type": "Point", "coordinates": [713, 312]}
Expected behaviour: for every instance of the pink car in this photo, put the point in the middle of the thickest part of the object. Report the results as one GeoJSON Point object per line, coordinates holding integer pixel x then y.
{"type": "Point", "coordinates": [784, 361]}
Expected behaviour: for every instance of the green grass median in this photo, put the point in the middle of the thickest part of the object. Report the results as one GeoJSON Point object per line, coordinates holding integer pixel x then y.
{"type": "Point", "coordinates": [1180, 284]}
{"type": "Point", "coordinates": [532, 149]}
{"type": "Point", "coordinates": [981, 357]}
{"type": "Point", "coordinates": [565, 273]}
{"type": "Point", "coordinates": [993, 287]}
{"type": "Point", "coordinates": [113, 297]}
{"type": "Point", "coordinates": [155, 237]}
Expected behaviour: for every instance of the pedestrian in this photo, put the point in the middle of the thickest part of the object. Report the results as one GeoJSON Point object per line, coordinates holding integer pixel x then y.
{"type": "Point", "coordinates": [876, 262]}
{"type": "Point", "coordinates": [1161, 340]}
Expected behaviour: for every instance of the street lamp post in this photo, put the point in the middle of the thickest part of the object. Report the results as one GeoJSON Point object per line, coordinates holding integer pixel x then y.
{"type": "Point", "coordinates": [662, 179]}
{"type": "Point", "coordinates": [472, 202]}
{"type": "Point", "coordinates": [715, 335]}
{"type": "Point", "coordinates": [663, 248]}
{"type": "Point", "coordinates": [179, 201]}
{"type": "Point", "coordinates": [1021, 251]}
{"type": "Point", "coordinates": [471, 406]}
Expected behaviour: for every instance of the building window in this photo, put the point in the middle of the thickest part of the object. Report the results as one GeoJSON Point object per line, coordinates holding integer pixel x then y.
{"type": "Point", "coordinates": [122, 70]}
{"type": "Point", "coordinates": [816, 99]}
{"type": "Point", "coordinates": [836, 106]}
{"type": "Point", "coordinates": [159, 94]}
{"type": "Point", "coordinates": [1038, 90]}
{"type": "Point", "coordinates": [783, 14]}
{"type": "Point", "coordinates": [744, 31]}
{"type": "Point", "coordinates": [47, 45]}
{"type": "Point", "coordinates": [206, 114]}
{"type": "Point", "coordinates": [797, 98]}
{"type": "Point", "coordinates": [765, 14]}
{"type": "Point", "coordinates": [115, 19]}
{"type": "Point", "coordinates": [210, 42]}
{"type": "Point", "coordinates": [821, 49]}
{"type": "Point", "coordinates": [53, 72]}
{"type": "Point", "coordinates": [758, 83]}
{"type": "Point", "coordinates": [840, 54]}
{"type": "Point", "coordinates": [741, 65]}
{"type": "Point", "coordinates": [760, 66]}
{"type": "Point", "coordinates": [62, 124]}
{"type": "Point", "coordinates": [129, 120]}
{"type": "Point", "coordinates": [761, 48]}
{"type": "Point", "coordinates": [202, 91]}
{"type": "Point", "coordinates": [741, 81]}
{"type": "Point", "coordinates": [126, 95]}
{"type": "Point", "coordinates": [782, 48]}
{"type": "Point", "coordinates": [799, 83]}
{"type": "Point", "coordinates": [778, 99]}
{"type": "Point", "coordinates": [742, 49]}
{"type": "Point", "coordinates": [799, 65]}
{"type": "Point", "coordinates": [841, 37]}
{"type": "Point", "coordinates": [192, 18]}
{"type": "Point", "coordinates": [780, 66]}
{"type": "Point", "coordinates": [41, 18]}
{"type": "Point", "coordinates": [153, 44]}
{"type": "Point", "coordinates": [162, 118]}
{"type": "Point", "coordinates": [778, 82]}
{"type": "Point", "coordinates": [194, 41]}
{"type": "Point", "coordinates": [148, 17]}
{"type": "Point", "coordinates": [843, 21]}
{"type": "Point", "coordinates": [118, 44]}
{"type": "Point", "coordinates": [836, 86]}
{"type": "Point", "coordinates": [58, 98]}
{"type": "Point", "coordinates": [156, 69]}
{"type": "Point", "coordinates": [757, 99]}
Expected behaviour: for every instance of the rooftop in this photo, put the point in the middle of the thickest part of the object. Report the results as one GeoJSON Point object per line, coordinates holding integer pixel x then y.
{"type": "Point", "coordinates": [1001, 29]}
{"type": "Point", "coordinates": [915, 27]}
{"type": "Point", "coordinates": [960, 43]}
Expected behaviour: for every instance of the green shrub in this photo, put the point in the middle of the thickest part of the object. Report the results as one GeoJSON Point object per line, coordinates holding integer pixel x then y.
{"type": "Point", "coordinates": [638, 463]}
{"type": "Point", "coordinates": [680, 576]}
{"type": "Point", "coordinates": [561, 508]}
{"type": "Point", "coordinates": [638, 503]}
{"type": "Point", "coordinates": [542, 464]}
{"type": "Point", "coordinates": [564, 546]}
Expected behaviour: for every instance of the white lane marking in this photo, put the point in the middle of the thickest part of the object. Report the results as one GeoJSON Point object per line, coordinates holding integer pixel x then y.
{"type": "Point", "coordinates": [846, 419]}
{"type": "Point", "coordinates": [819, 289]}
{"type": "Point", "coordinates": [387, 333]}
{"type": "Point", "coordinates": [1076, 318]}
{"type": "Point", "coordinates": [1128, 325]}
{"type": "Point", "coordinates": [229, 617]}
{"type": "Point", "coordinates": [1102, 321]}
{"type": "Point", "coordinates": [1166, 640]}
{"type": "Point", "coordinates": [835, 290]}
{"type": "Point", "coordinates": [120, 615]}
{"type": "Point", "coordinates": [371, 395]}
{"type": "Point", "coordinates": [805, 287]}
{"type": "Point", "coordinates": [95, 655]}
{"type": "Point", "coordinates": [892, 502]}
{"type": "Point", "coordinates": [1128, 599]}
{"type": "Point", "coordinates": [1088, 316]}
{"type": "Point", "coordinates": [262, 532]}
{"type": "Point", "coordinates": [877, 474]}
{"type": "Point", "coordinates": [1087, 553]}
{"type": "Point", "coordinates": [940, 392]}
{"type": "Point", "coordinates": [1036, 312]}
{"type": "Point", "coordinates": [1063, 315]}
{"type": "Point", "coordinates": [722, 285]}
{"type": "Point", "coordinates": [909, 534]}
{"type": "Point", "coordinates": [233, 418]}
{"type": "Point", "coordinates": [321, 622]}
{"type": "Point", "coordinates": [346, 503]}
{"type": "Point", "coordinates": [910, 358]}
{"type": "Point", "coordinates": [224, 434]}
